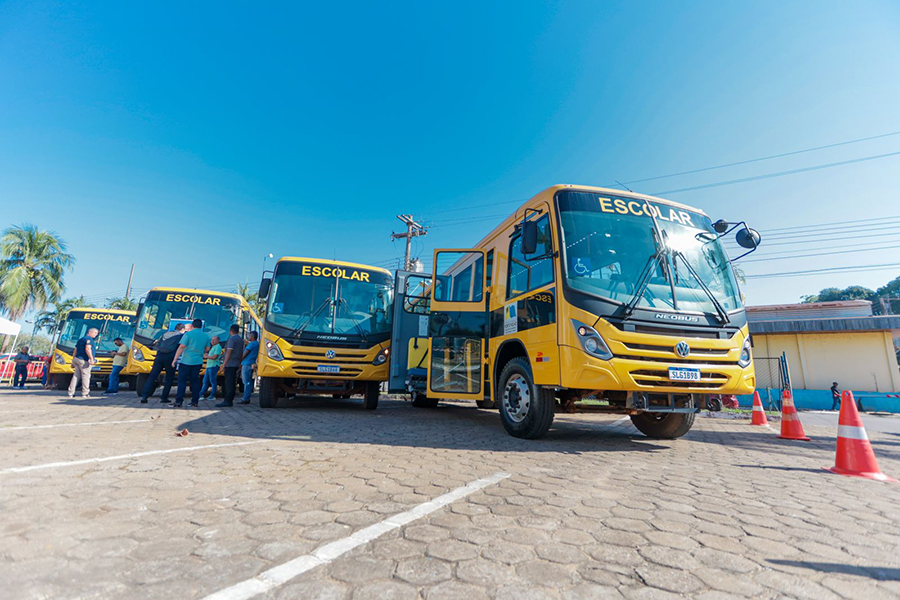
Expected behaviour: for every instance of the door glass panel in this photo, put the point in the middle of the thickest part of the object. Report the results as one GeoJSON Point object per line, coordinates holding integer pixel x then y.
{"type": "Point", "coordinates": [456, 365]}
{"type": "Point", "coordinates": [459, 277]}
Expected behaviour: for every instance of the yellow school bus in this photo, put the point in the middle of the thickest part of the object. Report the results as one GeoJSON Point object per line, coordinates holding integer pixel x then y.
{"type": "Point", "coordinates": [327, 330]}
{"type": "Point", "coordinates": [111, 324]}
{"type": "Point", "coordinates": [163, 308]}
{"type": "Point", "coordinates": [584, 299]}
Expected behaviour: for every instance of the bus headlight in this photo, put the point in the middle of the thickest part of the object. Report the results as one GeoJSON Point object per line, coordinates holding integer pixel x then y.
{"type": "Point", "coordinates": [59, 359]}
{"type": "Point", "coordinates": [273, 351]}
{"type": "Point", "coordinates": [382, 357]}
{"type": "Point", "coordinates": [591, 341]}
{"type": "Point", "coordinates": [137, 354]}
{"type": "Point", "coordinates": [746, 357]}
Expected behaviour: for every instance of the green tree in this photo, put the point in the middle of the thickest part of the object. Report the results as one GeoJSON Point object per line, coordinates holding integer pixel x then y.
{"type": "Point", "coordinates": [833, 294]}
{"type": "Point", "coordinates": [52, 319]}
{"type": "Point", "coordinates": [122, 303]}
{"type": "Point", "coordinates": [252, 297]}
{"type": "Point", "coordinates": [32, 265]}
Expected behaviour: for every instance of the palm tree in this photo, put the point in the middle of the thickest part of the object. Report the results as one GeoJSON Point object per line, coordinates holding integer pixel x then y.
{"type": "Point", "coordinates": [122, 303]}
{"type": "Point", "coordinates": [252, 298]}
{"type": "Point", "coordinates": [32, 265]}
{"type": "Point", "coordinates": [52, 320]}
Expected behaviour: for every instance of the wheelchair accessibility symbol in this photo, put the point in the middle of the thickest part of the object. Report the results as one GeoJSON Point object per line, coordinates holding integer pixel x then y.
{"type": "Point", "coordinates": [580, 268]}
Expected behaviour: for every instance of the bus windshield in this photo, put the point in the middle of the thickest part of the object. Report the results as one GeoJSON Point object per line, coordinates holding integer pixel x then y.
{"type": "Point", "coordinates": [609, 242]}
{"type": "Point", "coordinates": [110, 325]}
{"type": "Point", "coordinates": [164, 310]}
{"type": "Point", "coordinates": [330, 300]}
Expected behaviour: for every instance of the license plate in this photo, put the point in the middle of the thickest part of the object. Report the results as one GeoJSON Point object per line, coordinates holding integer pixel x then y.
{"type": "Point", "coordinates": [676, 374]}
{"type": "Point", "coordinates": [95, 368]}
{"type": "Point", "coordinates": [328, 369]}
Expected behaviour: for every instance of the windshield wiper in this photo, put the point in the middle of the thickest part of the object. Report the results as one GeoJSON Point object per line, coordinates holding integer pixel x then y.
{"type": "Point", "coordinates": [362, 333]}
{"type": "Point", "coordinates": [720, 310]}
{"type": "Point", "coordinates": [299, 329]}
{"type": "Point", "coordinates": [644, 280]}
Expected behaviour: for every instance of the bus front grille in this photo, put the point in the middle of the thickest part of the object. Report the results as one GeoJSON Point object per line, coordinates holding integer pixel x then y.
{"type": "Point", "coordinates": [659, 378]}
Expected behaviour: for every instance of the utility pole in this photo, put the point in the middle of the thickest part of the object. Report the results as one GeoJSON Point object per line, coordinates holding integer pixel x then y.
{"type": "Point", "coordinates": [413, 229]}
{"type": "Point", "coordinates": [128, 289]}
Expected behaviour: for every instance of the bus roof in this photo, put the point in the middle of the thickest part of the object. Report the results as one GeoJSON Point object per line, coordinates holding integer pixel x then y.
{"type": "Point", "coordinates": [113, 311]}
{"type": "Point", "coordinates": [339, 263]}
{"type": "Point", "coordinates": [197, 291]}
{"type": "Point", "coordinates": [548, 194]}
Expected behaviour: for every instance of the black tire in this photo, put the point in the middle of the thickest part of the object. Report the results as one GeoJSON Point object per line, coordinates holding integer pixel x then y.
{"type": "Point", "coordinates": [61, 382]}
{"type": "Point", "coordinates": [486, 404]}
{"type": "Point", "coordinates": [526, 409]}
{"type": "Point", "coordinates": [423, 401]}
{"type": "Point", "coordinates": [664, 426]}
{"type": "Point", "coordinates": [142, 382]}
{"type": "Point", "coordinates": [373, 390]}
{"type": "Point", "coordinates": [268, 392]}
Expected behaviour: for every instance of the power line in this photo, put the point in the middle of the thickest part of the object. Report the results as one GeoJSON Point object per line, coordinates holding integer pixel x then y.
{"type": "Point", "coordinates": [773, 156]}
{"type": "Point", "coordinates": [833, 223]}
{"type": "Point", "coordinates": [767, 258]}
{"type": "Point", "coordinates": [792, 252]}
{"type": "Point", "coordinates": [778, 174]}
{"type": "Point", "coordinates": [859, 268]}
{"type": "Point", "coordinates": [838, 239]}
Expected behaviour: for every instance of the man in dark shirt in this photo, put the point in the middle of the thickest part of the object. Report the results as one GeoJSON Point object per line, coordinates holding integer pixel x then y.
{"type": "Point", "coordinates": [234, 352]}
{"type": "Point", "coordinates": [21, 359]}
{"type": "Point", "coordinates": [835, 396]}
{"type": "Point", "coordinates": [82, 363]}
{"type": "Point", "coordinates": [165, 347]}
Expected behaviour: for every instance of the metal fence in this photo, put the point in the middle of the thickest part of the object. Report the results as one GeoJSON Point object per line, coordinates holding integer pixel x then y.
{"type": "Point", "coordinates": [769, 381]}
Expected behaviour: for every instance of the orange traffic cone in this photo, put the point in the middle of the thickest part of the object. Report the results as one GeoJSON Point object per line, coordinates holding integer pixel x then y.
{"type": "Point", "coordinates": [759, 413]}
{"type": "Point", "coordinates": [791, 429]}
{"type": "Point", "coordinates": [182, 433]}
{"type": "Point", "coordinates": [854, 456]}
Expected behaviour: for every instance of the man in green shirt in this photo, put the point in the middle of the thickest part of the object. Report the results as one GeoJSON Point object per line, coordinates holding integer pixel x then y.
{"type": "Point", "coordinates": [191, 349]}
{"type": "Point", "coordinates": [213, 358]}
{"type": "Point", "coordinates": [120, 359]}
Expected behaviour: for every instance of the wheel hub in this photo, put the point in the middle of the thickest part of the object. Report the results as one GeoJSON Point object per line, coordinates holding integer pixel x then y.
{"type": "Point", "coordinates": [517, 398]}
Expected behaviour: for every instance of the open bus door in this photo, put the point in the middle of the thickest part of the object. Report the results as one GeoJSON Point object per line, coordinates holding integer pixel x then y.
{"type": "Point", "coordinates": [409, 333]}
{"type": "Point", "coordinates": [458, 325]}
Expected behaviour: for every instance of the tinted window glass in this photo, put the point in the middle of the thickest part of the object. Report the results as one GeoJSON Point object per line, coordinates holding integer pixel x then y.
{"type": "Point", "coordinates": [530, 272]}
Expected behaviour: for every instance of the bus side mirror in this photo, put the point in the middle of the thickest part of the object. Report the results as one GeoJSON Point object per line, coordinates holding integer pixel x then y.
{"type": "Point", "coordinates": [529, 237]}
{"type": "Point", "coordinates": [720, 226]}
{"type": "Point", "coordinates": [264, 286]}
{"type": "Point", "coordinates": [748, 238]}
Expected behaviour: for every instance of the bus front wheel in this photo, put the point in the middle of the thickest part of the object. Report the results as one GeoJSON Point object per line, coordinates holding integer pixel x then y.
{"type": "Point", "coordinates": [665, 426]}
{"type": "Point", "coordinates": [142, 383]}
{"type": "Point", "coordinates": [373, 390]}
{"type": "Point", "coordinates": [423, 401]}
{"type": "Point", "coordinates": [526, 409]}
{"type": "Point", "coordinates": [267, 392]}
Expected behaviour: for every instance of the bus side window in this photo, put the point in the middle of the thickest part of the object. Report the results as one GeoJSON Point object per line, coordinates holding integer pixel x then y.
{"type": "Point", "coordinates": [526, 273]}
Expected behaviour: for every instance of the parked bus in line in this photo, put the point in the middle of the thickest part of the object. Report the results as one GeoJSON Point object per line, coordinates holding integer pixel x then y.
{"type": "Point", "coordinates": [584, 299]}
{"type": "Point", "coordinates": [164, 308]}
{"type": "Point", "coordinates": [111, 324]}
{"type": "Point", "coordinates": [327, 330]}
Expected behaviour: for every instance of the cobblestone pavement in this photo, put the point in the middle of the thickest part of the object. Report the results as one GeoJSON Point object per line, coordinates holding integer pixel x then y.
{"type": "Point", "coordinates": [594, 510]}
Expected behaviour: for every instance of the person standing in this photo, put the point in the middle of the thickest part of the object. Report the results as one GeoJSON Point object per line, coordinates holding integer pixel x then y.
{"type": "Point", "coordinates": [248, 362]}
{"type": "Point", "coordinates": [234, 349]}
{"type": "Point", "coordinates": [165, 347]}
{"type": "Point", "coordinates": [120, 359]}
{"type": "Point", "coordinates": [213, 360]}
{"type": "Point", "coordinates": [21, 359]}
{"type": "Point", "coordinates": [835, 396]}
{"type": "Point", "coordinates": [190, 351]}
{"type": "Point", "coordinates": [82, 362]}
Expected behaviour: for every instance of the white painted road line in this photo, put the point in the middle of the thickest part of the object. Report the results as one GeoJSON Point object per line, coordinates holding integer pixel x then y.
{"type": "Point", "coordinates": [87, 461]}
{"type": "Point", "coordinates": [276, 576]}
{"type": "Point", "coordinates": [2, 429]}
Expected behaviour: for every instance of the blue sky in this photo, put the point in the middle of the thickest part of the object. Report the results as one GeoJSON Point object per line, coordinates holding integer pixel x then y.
{"type": "Point", "coordinates": [194, 139]}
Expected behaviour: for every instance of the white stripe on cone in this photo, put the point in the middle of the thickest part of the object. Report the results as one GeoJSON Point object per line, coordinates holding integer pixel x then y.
{"type": "Point", "coordinates": [852, 432]}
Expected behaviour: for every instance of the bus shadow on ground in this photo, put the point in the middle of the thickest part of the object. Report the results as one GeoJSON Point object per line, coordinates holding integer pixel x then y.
{"type": "Point", "coordinates": [879, 573]}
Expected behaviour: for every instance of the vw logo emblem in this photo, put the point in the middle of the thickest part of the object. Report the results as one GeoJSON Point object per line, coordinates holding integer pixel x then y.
{"type": "Point", "coordinates": [331, 354]}
{"type": "Point", "coordinates": [682, 349]}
